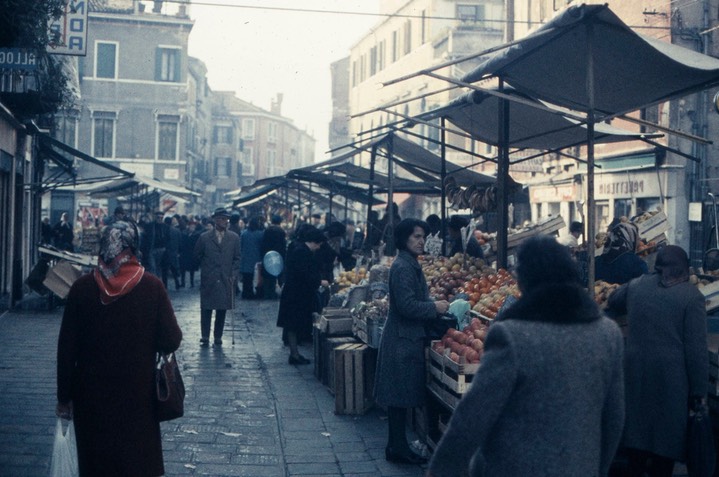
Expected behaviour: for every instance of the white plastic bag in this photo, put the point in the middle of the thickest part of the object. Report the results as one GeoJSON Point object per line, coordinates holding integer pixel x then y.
{"type": "Point", "coordinates": [64, 452]}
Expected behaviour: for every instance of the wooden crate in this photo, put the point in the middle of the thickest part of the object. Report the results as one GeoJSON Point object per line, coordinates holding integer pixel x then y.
{"type": "Point", "coordinates": [354, 370]}
{"type": "Point", "coordinates": [654, 227]}
{"type": "Point", "coordinates": [325, 356]}
{"type": "Point", "coordinates": [336, 322]}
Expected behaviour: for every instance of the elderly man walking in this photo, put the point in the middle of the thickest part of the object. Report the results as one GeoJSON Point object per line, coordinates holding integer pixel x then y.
{"type": "Point", "coordinates": [218, 254]}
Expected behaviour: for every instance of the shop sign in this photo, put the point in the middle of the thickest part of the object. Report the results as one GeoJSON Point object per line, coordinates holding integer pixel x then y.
{"type": "Point", "coordinates": [620, 187]}
{"type": "Point", "coordinates": [558, 193]}
{"type": "Point", "coordinates": [17, 59]}
{"type": "Point", "coordinates": [68, 34]}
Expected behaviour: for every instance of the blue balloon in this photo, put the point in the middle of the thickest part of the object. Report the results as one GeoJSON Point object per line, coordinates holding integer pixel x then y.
{"type": "Point", "coordinates": [273, 263]}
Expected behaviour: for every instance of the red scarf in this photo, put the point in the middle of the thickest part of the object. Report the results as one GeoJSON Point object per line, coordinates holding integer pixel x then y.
{"type": "Point", "coordinates": [115, 281]}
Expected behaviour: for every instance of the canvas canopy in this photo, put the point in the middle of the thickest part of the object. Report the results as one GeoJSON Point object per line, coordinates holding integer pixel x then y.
{"type": "Point", "coordinates": [541, 127]}
{"type": "Point", "coordinates": [630, 71]}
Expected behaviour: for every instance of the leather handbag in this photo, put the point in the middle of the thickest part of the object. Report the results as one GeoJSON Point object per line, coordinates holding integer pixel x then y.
{"type": "Point", "coordinates": [170, 390]}
{"type": "Point", "coordinates": [701, 454]}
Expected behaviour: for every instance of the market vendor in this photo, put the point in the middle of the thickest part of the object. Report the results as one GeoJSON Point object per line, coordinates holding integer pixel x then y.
{"type": "Point", "coordinates": [619, 262]}
{"type": "Point", "coordinates": [401, 376]}
{"type": "Point", "coordinates": [455, 226]}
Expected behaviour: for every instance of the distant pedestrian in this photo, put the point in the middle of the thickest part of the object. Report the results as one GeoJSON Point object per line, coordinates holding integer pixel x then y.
{"type": "Point", "coordinates": [118, 215]}
{"type": "Point", "coordinates": [218, 253]}
{"type": "Point", "coordinates": [251, 247]}
{"type": "Point", "coordinates": [46, 231]}
{"type": "Point", "coordinates": [273, 239]}
{"type": "Point", "coordinates": [171, 259]}
{"type": "Point", "coordinates": [187, 250]}
{"type": "Point", "coordinates": [64, 234]}
{"type": "Point", "coordinates": [548, 398]}
{"type": "Point", "coordinates": [116, 319]}
{"type": "Point", "coordinates": [158, 234]}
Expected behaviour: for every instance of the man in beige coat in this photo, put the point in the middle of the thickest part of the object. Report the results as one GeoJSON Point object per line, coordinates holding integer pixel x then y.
{"type": "Point", "coordinates": [218, 253]}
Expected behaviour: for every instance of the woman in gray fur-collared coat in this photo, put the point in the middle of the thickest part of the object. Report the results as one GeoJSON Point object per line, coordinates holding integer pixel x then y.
{"type": "Point", "coordinates": [666, 366]}
{"type": "Point", "coordinates": [547, 399]}
{"type": "Point", "coordinates": [401, 377]}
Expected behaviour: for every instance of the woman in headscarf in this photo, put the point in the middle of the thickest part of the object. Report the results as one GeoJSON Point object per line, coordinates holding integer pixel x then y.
{"type": "Point", "coordinates": [666, 365]}
{"type": "Point", "coordinates": [116, 319]}
{"type": "Point", "coordinates": [619, 263]}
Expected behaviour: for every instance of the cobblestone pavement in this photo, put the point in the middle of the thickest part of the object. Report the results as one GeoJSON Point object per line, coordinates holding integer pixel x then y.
{"type": "Point", "coordinates": [247, 412]}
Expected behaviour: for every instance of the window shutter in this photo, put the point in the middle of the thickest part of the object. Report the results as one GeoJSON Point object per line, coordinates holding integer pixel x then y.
{"type": "Point", "coordinates": [178, 57]}
{"type": "Point", "coordinates": [158, 64]}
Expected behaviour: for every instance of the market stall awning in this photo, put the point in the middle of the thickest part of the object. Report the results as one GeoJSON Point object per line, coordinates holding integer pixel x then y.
{"type": "Point", "coordinates": [418, 161]}
{"type": "Point", "coordinates": [541, 127]}
{"type": "Point", "coordinates": [128, 185]}
{"type": "Point", "coordinates": [631, 71]}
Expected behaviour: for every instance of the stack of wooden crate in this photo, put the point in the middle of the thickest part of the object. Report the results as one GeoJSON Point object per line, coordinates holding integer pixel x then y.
{"type": "Point", "coordinates": [354, 373]}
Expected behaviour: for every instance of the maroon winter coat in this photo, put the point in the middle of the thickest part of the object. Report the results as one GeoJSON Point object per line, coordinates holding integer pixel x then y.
{"type": "Point", "coordinates": [105, 366]}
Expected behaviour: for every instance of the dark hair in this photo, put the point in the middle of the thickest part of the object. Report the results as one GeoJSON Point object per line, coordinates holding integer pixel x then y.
{"type": "Point", "coordinates": [576, 227]}
{"type": "Point", "coordinates": [435, 223]}
{"type": "Point", "coordinates": [673, 264]}
{"type": "Point", "coordinates": [405, 229]}
{"type": "Point", "coordinates": [255, 223]}
{"type": "Point", "coordinates": [542, 260]}
{"type": "Point", "coordinates": [301, 231]}
{"type": "Point", "coordinates": [235, 218]}
{"type": "Point", "coordinates": [276, 220]}
{"type": "Point", "coordinates": [336, 229]}
{"type": "Point", "coordinates": [314, 235]}
{"type": "Point", "coordinates": [456, 222]}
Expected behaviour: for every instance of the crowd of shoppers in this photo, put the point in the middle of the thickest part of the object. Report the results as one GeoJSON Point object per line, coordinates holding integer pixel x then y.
{"type": "Point", "coordinates": [558, 393]}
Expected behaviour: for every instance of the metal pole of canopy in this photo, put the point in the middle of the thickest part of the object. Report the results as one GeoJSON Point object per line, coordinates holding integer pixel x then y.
{"type": "Point", "coordinates": [591, 209]}
{"type": "Point", "coordinates": [347, 201]}
{"type": "Point", "coordinates": [389, 247]}
{"type": "Point", "coordinates": [443, 197]}
{"type": "Point", "coordinates": [369, 223]}
{"type": "Point", "coordinates": [299, 200]}
{"type": "Point", "coordinates": [502, 180]}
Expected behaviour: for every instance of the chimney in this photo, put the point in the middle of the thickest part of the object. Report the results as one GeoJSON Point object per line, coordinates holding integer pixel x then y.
{"type": "Point", "coordinates": [277, 105]}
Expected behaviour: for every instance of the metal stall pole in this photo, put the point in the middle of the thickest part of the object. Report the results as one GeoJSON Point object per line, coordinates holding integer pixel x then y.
{"type": "Point", "coordinates": [443, 192]}
{"type": "Point", "coordinates": [373, 158]}
{"type": "Point", "coordinates": [390, 195]}
{"type": "Point", "coordinates": [591, 208]}
{"type": "Point", "coordinates": [502, 180]}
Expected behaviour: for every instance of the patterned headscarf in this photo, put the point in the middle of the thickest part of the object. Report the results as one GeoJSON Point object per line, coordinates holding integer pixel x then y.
{"type": "Point", "coordinates": [623, 237]}
{"type": "Point", "coordinates": [118, 270]}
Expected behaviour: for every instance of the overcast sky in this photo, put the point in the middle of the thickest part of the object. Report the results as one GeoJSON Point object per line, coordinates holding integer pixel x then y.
{"type": "Point", "coordinates": [261, 52]}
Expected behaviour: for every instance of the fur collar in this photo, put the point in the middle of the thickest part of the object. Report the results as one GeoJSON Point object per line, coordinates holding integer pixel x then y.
{"type": "Point", "coordinates": [554, 303]}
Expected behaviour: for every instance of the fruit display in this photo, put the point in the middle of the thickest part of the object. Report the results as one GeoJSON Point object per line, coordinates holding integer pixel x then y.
{"type": "Point", "coordinates": [463, 346]}
{"type": "Point", "coordinates": [351, 277]}
{"type": "Point", "coordinates": [602, 291]}
{"type": "Point", "coordinates": [484, 288]}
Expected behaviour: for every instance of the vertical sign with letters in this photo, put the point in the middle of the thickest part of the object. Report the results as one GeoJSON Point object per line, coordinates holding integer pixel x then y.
{"type": "Point", "coordinates": [68, 34]}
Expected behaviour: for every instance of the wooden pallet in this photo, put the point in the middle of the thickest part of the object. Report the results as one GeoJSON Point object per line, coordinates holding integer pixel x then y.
{"type": "Point", "coordinates": [353, 378]}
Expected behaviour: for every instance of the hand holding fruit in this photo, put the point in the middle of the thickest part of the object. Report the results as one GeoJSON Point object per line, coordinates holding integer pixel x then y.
{"type": "Point", "coordinates": [441, 306]}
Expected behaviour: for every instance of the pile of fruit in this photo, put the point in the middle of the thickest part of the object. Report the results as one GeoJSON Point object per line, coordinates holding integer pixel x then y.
{"type": "Point", "coordinates": [464, 346]}
{"type": "Point", "coordinates": [351, 277]}
{"type": "Point", "coordinates": [602, 292]}
{"type": "Point", "coordinates": [484, 288]}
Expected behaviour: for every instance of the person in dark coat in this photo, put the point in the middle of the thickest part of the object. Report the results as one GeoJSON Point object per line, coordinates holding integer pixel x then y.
{"type": "Point", "coordinates": [401, 375]}
{"type": "Point", "coordinates": [187, 253]}
{"type": "Point", "coordinates": [299, 294]}
{"type": "Point", "coordinates": [171, 259]}
{"type": "Point", "coordinates": [158, 234]}
{"type": "Point", "coordinates": [667, 370]}
{"type": "Point", "coordinates": [454, 227]}
{"type": "Point", "coordinates": [386, 225]}
{"type": "Point", "coordinates": [251, 247]}
{"type": "Point", "coordinates": [273, 239]}
{"type": "Point", "coordinates": [218, 253]}
{"type": "Point", "coordinates": [63, 234]}
{"type": "Point", "coordinates": [619, 262]}
{"type": "Point", "coordinates": [548, 398]}
{"type": "Point", "coordinates": [116, 319]}
{"type": "Point", "coordinates": [46, 231]}
{"type": "Point", "coordinates": [373, 232]}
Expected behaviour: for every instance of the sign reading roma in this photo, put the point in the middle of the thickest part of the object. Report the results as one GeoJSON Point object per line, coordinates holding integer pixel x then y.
{"type": "Point", "coordinates": [68, 34]}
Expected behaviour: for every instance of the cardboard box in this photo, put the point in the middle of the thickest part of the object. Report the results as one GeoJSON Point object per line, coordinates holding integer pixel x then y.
{"type": "Point", "coordinates": [60, 278]}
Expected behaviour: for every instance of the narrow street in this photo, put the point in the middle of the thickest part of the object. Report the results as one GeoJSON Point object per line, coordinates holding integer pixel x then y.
{"type": "Point", "coordinates": [247, 412]}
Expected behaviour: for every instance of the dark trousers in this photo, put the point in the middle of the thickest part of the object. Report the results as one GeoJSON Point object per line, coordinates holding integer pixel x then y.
{"type": "Point", "coordinates": [642, 463]}
{"type": "Point", "coordinates": [206, 320]}
{"type": "Point", "coordinates": [269, 286]}
{"type": "Point", "coordinates": [248, 292]}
